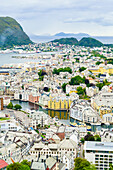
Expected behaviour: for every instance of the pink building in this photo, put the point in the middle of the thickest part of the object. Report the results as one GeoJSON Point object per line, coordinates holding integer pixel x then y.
{"type": "Point", "coordinates": [33, 98]}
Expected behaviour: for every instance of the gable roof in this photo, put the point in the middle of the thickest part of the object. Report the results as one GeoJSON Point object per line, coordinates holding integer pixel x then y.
{"type": "Point", "coordinates": [67, 143]}
{"type": "Point", "coordinates": [3, 164]}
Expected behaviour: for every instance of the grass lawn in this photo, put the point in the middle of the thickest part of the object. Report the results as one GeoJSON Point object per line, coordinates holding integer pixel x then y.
{"type": "Point", "coordinates": [3, 118]}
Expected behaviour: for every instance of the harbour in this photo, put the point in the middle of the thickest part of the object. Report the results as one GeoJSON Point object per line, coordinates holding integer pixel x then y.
{"type": "Point", "coordinates": [63, 116]}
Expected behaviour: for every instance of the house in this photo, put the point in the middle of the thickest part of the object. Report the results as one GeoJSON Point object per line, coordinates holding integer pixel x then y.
{"type": "Point", "coordinates": [3, 164]}
{"type": "Point", "coordinates": [80, 110]}
{"type": "Point", "coordinates": [106, 135]}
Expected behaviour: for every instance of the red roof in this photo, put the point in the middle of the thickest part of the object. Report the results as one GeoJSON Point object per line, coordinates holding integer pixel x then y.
{"type": "Point", "coordinates": [3, 164]}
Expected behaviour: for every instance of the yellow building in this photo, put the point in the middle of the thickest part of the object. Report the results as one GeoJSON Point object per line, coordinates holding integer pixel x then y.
{"type": "Point", "coordinates": [102, 69]}
{"type": "Point", "coordinates": [59, 103]}
{"type": "Point", "coordinates": [104, 110]}
{"type": "Point", "coordinates": [103, 103]}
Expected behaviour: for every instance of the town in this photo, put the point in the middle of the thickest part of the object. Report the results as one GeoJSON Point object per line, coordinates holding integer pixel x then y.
{"type": "Point", "coordinates": [71, 92]}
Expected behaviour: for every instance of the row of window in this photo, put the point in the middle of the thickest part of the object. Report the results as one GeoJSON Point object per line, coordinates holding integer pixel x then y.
{"type": "Point", "coordinates": [95, 151]}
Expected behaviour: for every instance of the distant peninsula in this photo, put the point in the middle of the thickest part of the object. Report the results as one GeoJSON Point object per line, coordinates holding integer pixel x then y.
{"type": "Point", "coordinates": [11, 33]}
{"type": "Point", "coordinates": [63, 34]}
{"type": "Point", "coordinates": [86, 42]}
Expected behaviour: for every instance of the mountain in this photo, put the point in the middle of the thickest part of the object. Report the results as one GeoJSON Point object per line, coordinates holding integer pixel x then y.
{"type": "Point", "coordinates": [47, 37]}
{"type": "Point", "coordinates": [90, 42]}
{"type": "Point", "coordinates": [62, 34]}
{"type": "Point", "coordinates": [11, 33]}
{"type": "Point", "coordinates": [70, 41]}
{"type": "Point", "coordinates": [87, 42]}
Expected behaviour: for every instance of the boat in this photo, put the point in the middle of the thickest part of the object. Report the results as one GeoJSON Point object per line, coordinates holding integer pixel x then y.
{"type": "Point", "coordinates": [88, 128]}
{"type": "Point", "coordinates": [73, 124]}
{"type": "Point", "coordinates": [56, 118]}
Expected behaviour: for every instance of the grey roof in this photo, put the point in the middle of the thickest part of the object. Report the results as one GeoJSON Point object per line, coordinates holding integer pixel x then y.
{"type": "Point", "coordinates": [38, 166]}
{"type": "Point", "coordinates": [101, 146]}
{"type": "Point", "coordinates": [50, 162]}
{"type": "Point", "coordinates": [61, 165]}
{"type": "Point", "coordinates": [68, 143]}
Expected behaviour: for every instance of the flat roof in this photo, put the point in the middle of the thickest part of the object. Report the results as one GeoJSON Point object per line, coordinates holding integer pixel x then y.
{"type": "Point", "coordinates": [100, 146]}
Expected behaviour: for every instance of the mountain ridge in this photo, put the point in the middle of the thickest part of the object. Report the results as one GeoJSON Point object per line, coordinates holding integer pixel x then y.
{"type": "Point", "coordinates": [11, 33]}
{"type": "Point", "coordinates": [71, 34]}
{"type": "Point", "coordinates": [85, 41]}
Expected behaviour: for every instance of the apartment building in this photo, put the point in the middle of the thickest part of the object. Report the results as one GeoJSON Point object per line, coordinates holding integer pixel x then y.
{"type": "Point", "coordinates": [99, 153]}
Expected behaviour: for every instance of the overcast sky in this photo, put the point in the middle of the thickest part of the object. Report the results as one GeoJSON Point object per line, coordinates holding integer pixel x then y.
{"type": "Point", "coordinates": [94, 17]}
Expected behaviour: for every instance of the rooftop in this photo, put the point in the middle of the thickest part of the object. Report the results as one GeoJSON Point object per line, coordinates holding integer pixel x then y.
{"type": "Point", "coordinates": [101, 146]}
{"type": "Point", "coordinates": [3, 164]}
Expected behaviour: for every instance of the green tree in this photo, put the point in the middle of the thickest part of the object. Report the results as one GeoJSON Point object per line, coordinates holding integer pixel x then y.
{"type": "Point", "coordinates": [46, 89]}
{"type": "Point", "coordinates": [66, 69]}
{"type": "Point", "coordinates": [22, 86]}
{"type": "Point", "coordinates": [41, 74]}
{"type": "Point", "coordinates": [18, 107]}
{"type": "Point", "coordinates": [82, 69]}
{"type": "Point", "coordinates": [111, 167]}
{"type": "Point", "coordinates": [26, 162]}
{"type": "Point", "coordinates": [64, 87]}
{"type": "Point", "coordinates": [82, 140]}
{"type": "Point", "coordinates": [89, 137]}
{"type": "Point", "coordinates": [83, 164]}
{"type": "Point", "coordinates": [77, 60]}
{"type": "Point", "coordinates": [77, 80]}
{"type": "Point", "coordinates": [10, 105]}
{"type": "Point", "coordinates": [98, 62]}
{"type": "Point", "coordinates": [80, 91]}
{"type": "Point", "coordinates": [97, 138]}
{"type": "Point", "coordinates": [18, 166]}
{"type": "Point", "coordinates": [100, 85]}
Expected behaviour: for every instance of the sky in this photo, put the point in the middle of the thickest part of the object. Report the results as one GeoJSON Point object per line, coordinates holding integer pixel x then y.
{"type": "Point", "coordinates": [94, 17]}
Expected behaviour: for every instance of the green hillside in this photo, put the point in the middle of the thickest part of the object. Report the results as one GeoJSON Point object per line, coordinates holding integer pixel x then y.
{"type": "Point", "coordinates": [87, 42]}
{"type": "Point", "coordinates": [90, 42]}
{"type": "Point", "coordinates": [70, 41]}
{"type": "Point", "coordinates": [11, 33]}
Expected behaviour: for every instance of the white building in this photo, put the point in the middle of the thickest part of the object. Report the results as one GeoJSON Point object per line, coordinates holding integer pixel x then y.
{"type": "Point", "coordinates": [65, 147]}
{"type": "Point", "coordinates": [38, 117]}
{"type": "Point", "coordinates": [9, 125]}
{"type": "Point", "coordinates": [81, 111]}
{"type": "Point", "coordinates": [99, 153]}
{"type": "Point", "coordinates": [91, 91]}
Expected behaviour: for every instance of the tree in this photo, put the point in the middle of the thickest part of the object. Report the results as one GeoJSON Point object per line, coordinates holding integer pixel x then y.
{"type": "Point", "coordinates": [100, 85]}
{"type": "Point", "coordinates": [64, 87]}
{"type": "Point", "coordinates": [98, 62]}
{"type": "Point", "coordinates": [18, 166]}
{"type": "Point", "coordinates": [82, 69]}
{"type": "Point", "coordinates": [10, 105]}
{"type": "Point", "coordinates": [46, 89]}
{"type": "Point", "coordinates": [97, 138]}
{"type": "Point", "coordinates": [86, 81]}
{"type": "Point", "coordinates": [82, 140]}
{"type": "Point", "coordinates": [41, 74]}
{"type": "Point", "coordinates": [80, 91]}
{"type": "Point", "coordinates": [23, 87]}
{"type": "Point", "coordinates": [83, 164]}
{"type": "Point", "coordinates": [89, 137]}
{"type": "Point", "coordinates": [66, 69]}
{"type": "Point", "coordinates": [26, 162]}
{"type": "Point", "coordinates": [18, 107]}
{"type": "Point", "coordinates": [77, 80]}
{"type": "Point", "coordinates": [111, 167]}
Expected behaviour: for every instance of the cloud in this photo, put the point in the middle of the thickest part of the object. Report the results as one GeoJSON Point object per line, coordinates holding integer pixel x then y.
{"type": "Point", "coordinates": [105, 20]}
{"type": "Point", "coordinates": [51, 16]}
